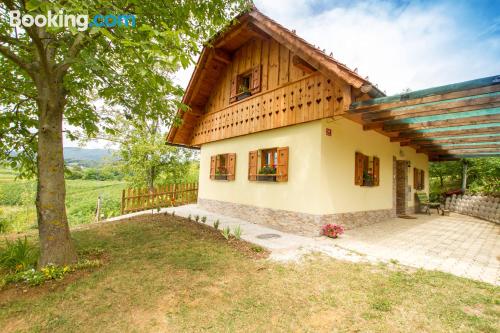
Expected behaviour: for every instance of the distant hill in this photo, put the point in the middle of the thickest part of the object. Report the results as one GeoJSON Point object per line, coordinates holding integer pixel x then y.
{"type": "Point", "coordinates": [86, 157]}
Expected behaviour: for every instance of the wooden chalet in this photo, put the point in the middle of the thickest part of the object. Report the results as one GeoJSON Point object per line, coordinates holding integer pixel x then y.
{"type": "Point", "coordinates": [292, 138]}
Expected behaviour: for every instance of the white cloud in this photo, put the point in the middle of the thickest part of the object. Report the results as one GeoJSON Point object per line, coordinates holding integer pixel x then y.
{"type": "Point", "coordinates": [415, 46]}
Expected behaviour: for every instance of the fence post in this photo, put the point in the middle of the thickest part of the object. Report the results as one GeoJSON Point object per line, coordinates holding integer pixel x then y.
{"type": "Point", "coordinates": [98, 209]}
{"type": "Point", "coordinates": [123, 202]}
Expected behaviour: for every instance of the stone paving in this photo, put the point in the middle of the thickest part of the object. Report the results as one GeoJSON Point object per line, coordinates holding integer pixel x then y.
{"type": "Point", "coordinates": [456, 244]}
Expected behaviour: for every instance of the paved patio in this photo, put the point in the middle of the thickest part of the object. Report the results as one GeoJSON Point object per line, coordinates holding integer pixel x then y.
{"type": "Point", "coordinates": [457, 244]}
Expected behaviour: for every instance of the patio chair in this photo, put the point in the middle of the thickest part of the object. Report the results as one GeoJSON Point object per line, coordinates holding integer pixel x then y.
{"type": "Point", "coordinates": [425, 204]}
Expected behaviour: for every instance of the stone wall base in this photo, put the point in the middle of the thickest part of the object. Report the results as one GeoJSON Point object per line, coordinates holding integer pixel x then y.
{"type": "Point", "coordinates": [294, 222]}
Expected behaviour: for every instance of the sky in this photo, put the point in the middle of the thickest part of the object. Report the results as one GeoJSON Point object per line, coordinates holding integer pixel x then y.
{"type": "Point", "coordinates": [397, 44]}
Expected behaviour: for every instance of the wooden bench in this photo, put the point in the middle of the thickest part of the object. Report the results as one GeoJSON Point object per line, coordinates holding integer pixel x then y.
{"type": "Point", "coordinates": [425, 204]}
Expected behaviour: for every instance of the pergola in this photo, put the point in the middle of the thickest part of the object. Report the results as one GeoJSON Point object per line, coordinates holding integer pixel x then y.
{"type": "Point", "coordinates": [447, 123]}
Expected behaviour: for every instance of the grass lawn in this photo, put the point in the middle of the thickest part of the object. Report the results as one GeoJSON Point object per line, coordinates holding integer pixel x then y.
{"type": "Point", "coordinates": [17, 197]}
{"type": "Point", "coordinates": [168, 274]}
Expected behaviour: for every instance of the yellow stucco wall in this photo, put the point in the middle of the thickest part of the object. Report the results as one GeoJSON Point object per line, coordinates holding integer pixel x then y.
{"type": "Point", "coordinates": [321, 169]}
{"type": "Point", "coordinates": [337, 167]}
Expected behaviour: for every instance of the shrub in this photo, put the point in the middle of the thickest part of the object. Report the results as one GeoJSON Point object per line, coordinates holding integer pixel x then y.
{"type": "Point", "coordinates": [204, 219]}
{"type": "Point", "coordinates": [33, 277]}
{"type": "Point", "coordinates": [18, 255]}
{"type": "Point", "coordinates": [257, 249]}
{"type": "Point", "coordinates": [197, 218]}
{"type": "Point", "coordinates": [237, 232]}
{"type": "Point", "coordinates": [332, 230]}
{"type": "Point", "coordinates": [216, 225]}
{"type": "Point", "coordinates": [226, 232]}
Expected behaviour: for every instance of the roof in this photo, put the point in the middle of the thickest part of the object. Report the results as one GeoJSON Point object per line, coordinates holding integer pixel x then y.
{"type": "Point", "coordinates": [216, 55]}
{"type": "Point", "coordinates": [446, 122]}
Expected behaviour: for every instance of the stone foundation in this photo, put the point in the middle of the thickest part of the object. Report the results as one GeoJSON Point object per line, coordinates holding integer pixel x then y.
{"type": "Point", "coordinates": [294, 222]}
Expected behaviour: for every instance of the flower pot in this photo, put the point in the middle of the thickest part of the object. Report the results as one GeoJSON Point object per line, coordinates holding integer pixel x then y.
{"type": "Point", "coordinates": [221, 177]}
{"type": "Point", "coordinates": [266, 178]}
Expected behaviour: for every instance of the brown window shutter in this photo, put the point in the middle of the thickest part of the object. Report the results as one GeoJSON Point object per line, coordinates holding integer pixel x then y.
{"type": "Point", "coordinates": [415, 178]}
{"type": "Point", "coordinates": [376, 171]}
{"type": "Point", "coordinates": [282, 167]}
{"type": "Point", "coordinates": [213, 161]}
{"type": "Point", "coordinates": [231, 166]}
{"type": "Point", "coordinates": [252, 165]}
{"type": "Point", "coordinates": [256, 78]}
{"type": "Point", "coordinates": [234, 89]}
{"type": "Point", "coordinates": [358, 168]}
{"type": "Point", "coordinates": [422, 179]}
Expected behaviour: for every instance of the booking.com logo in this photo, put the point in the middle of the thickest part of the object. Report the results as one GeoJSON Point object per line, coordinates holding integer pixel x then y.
{"type": "Point", "coordinates": [80, 22]}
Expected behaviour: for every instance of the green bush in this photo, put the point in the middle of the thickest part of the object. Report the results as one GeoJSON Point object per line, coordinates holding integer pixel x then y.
{"type": "Point", "coordinates": [18, 255]}
{"type": "Point", "coordinates": [34, 277]}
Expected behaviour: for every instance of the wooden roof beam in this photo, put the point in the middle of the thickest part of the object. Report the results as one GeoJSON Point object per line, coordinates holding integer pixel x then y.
{"type": "Point", "coordinates": [426, 99]}
{"type": "Point", "coordinates": [302, 64]}
{"type": "Point", "coordinates": [423, 143]}
{"type": "Point", "coordinates": [463, 151]}
{"type": "Point", "coordinates": [222, 56]}
{"type": "Point", "coordinates": [436, 109]}
{"type": "Point", "coordinates": [443, 123]}
{"type": "Point", "coordinates": [444, 149]}
{"type": "Point", "coordinates": [408, 135]}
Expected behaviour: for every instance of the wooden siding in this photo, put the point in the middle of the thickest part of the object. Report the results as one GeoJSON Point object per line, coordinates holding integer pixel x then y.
{"type": "Point", "coordinates": [311, 98]}
{"type": "Point", "coordinates": [277, 70]}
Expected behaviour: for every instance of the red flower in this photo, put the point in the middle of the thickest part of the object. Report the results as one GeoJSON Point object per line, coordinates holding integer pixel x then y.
{"type": "Point", "coordinates": [332, 230]}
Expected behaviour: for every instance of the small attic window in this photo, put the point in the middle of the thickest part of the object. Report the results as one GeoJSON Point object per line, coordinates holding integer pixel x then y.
{"type": "Point", "coordinates": [245, 84]}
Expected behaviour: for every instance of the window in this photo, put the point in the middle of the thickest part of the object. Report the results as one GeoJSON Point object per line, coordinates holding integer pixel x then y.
{"type": "Point", "coordinates": [366, 170]}
{"type": "Point", "coordinates": [418, 179]}
{"type": "Point", "coordinates": [245, 84]}
{"type": "Point", "coordinates": [222, 167]}
{"type": "Point", "coordinates": [268, 165]}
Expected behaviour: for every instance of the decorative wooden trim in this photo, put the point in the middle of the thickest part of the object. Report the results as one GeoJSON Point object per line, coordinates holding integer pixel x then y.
{"type": "Point", "coordinates": [252, 165]}
{"type": "Point", "coordinates": [312, 98]}
{"type": "Point", "coordinates": [213, 162]}
{"type": "Point", "coordinates": [282, 167]}
{"type": "Point", "coordinates": [231, 166]}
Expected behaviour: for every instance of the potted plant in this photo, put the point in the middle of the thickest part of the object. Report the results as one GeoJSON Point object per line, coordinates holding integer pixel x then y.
{"type": "Point", "coordinates": [221, 174]}
{"type": "Point", "coordinates": [367, 179]}
{"type": "Point", "coordinates": [243, 92]}
{"type": "Point", "coordinates": [332, 230]}
{"type": "Point", "coordinates": [267, 173]}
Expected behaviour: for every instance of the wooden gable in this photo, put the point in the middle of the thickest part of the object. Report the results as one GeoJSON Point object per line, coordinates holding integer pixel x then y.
{"type": "Point", "coordinates": [292, 82]}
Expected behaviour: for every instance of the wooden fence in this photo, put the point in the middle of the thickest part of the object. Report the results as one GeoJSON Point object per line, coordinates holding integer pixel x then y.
{"type": "Point", "coordinates": [134, 200]}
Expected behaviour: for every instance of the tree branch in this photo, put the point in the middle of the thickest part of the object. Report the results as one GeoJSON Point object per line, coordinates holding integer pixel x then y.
{"type": "Point", "coordinates": [17, 60]}
{"type": "Point", "coordinates": [14, 42]}
{"type": "Point", "coordinates": [19, 92]}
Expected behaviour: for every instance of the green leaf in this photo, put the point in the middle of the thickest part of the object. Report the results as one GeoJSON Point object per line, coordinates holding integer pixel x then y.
{"type": "Point", "coordinates": [32, 5]}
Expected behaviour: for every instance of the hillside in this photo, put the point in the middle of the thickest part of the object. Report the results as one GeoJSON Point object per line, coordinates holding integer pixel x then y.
{"type": "Point", "coordinates": [86, 157]}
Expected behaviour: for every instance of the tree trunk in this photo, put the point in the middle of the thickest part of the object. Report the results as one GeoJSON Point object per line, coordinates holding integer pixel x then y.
{"type": "Point", "coordinates": [151, 178]}
{"type": "Point", "coordinates": [56, 246]}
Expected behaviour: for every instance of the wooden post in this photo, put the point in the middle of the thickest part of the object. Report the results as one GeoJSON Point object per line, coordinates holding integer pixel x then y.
{"type": "Point", "coordinates": [123, 202]}
{"type": "Point", "coordinates": [464, 175]}
{"type": "Point", "coordinates": [98, 209]}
